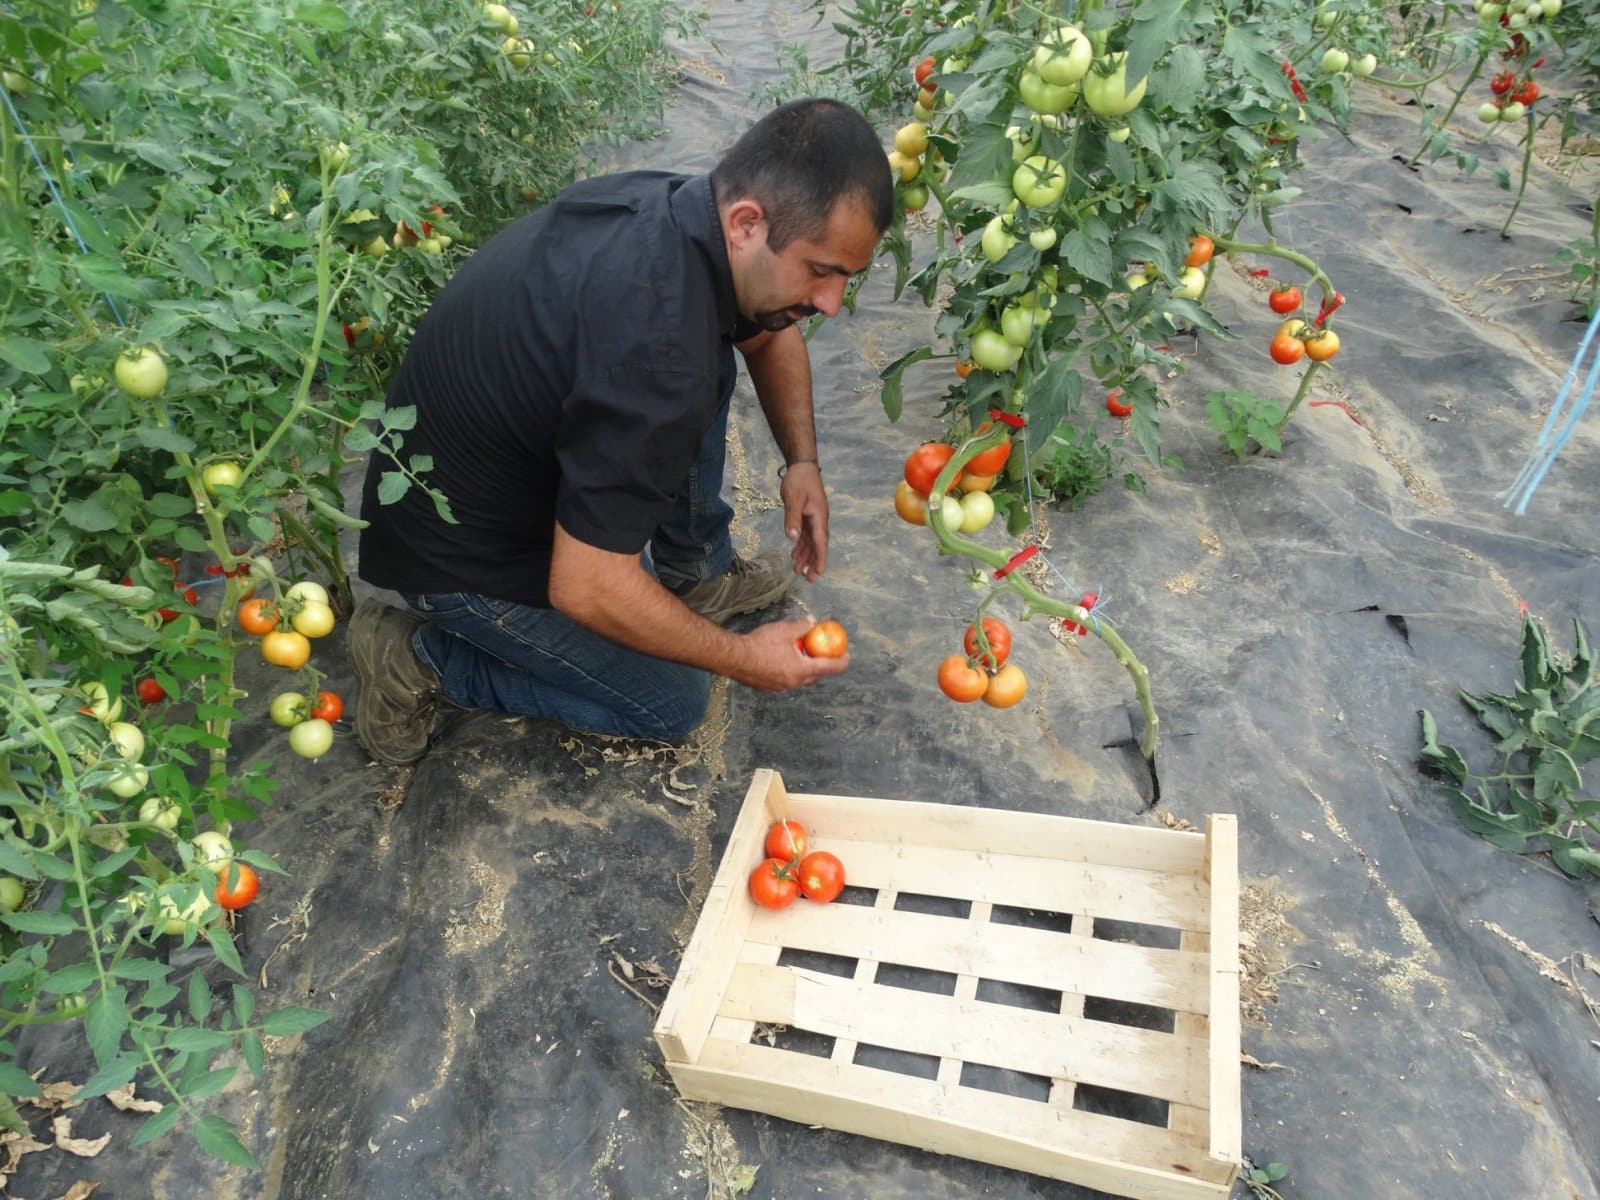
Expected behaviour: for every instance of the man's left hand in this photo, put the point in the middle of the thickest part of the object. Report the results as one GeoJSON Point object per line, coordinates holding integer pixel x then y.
{"type": "Point", "coordinates": [805, 518]}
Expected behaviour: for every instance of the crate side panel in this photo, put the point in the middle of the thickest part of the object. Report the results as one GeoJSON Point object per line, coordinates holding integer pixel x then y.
{"type": "Point", "coordinates": [1000, 831]}
{"type": "Point", "coordinates": [1013, 954]}
{"type": "Point", "coordinates": [1040, 1043]}
{"type": "Point", "coordinates": [1222, 843]}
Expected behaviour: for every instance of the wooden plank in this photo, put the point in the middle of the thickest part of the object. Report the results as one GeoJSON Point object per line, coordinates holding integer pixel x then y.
{"type": "Point", "coordinates": [1222, 857]}
{"type": "Point", "coordinates": [727, 1028]}
{"type": "Point", "coordinates": [999, 831]}
{"type": "Point", "coordinates": [1057, 962]}
{"type": "Point", "coordinates": [1028, 881]}
{"type": "Point", "coordinates": [686, 1014]}
{"type": "Point", "coordinates": [1064, 1091]}
{"type": "Point", "coordinates": [966, 989]}
{"type": "Point", "coordinates": [1127, 1159]}
{"type": "Point", "coordinates": [1142, 1061]}
{"type": "Point", "coordinates": [1193, 1121]}
{"type": "Point", "coordinates": [844, 1048]}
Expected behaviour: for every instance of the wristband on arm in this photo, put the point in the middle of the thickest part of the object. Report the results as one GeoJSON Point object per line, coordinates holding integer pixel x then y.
{"type": "Point", "coordinates": [794, 462]}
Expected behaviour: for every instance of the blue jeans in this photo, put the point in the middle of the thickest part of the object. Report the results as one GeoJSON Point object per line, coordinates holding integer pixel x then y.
{"type": "Point", "coordinates": [537, 662]}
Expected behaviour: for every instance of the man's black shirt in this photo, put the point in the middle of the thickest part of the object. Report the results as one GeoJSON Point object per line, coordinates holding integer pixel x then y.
{"type": "Point", "coordinates": [568, 372]}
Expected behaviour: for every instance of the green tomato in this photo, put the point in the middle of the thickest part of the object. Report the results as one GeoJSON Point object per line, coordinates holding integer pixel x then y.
{"type": "Point", "coordinates": [1024, 140]}
{"type": "Point", "coordinates": [141, 371]}
{"type": "Point", "coordinates": [1042, 239]}
{"type": "Point", "coordinates": [517, 51]}
{"type": "Point", "coordinates": [1064, 56]}
{"type": "Point", "coordinates": [128, 779]}
{"type": "Point", "coordinates": [333, 156]}
{"type": "Point", "coordinates": [1364, 66]}
{"type": "Point", "coordinates": [1491, 13]}
{"type": "Point", "coordinates": [498, 16]}
{"type": "Point", "coordinates": [1326, 17]}
{"type": "Point", "coordinates": [1137, 280]}
{"type": "Point", "coordinates": [160, 812]}
{"type": "Point", "coordinates": [1105, 89]}
{"type": "Point", "coordinates": [1190, 284]}
{"type": "Point", "coordinates": [288, 709]}
{"type": "Point", "coordinates": [1120, 133]}
{"type": "Point", "coordinates": [174, 922]}
{"type": "Point", "coordinates": [307, 590]}
{"type": "Point", "coordinates": [12, 894]}
{"type": "Point", "coordinates": [914, 198]}
{"type": "Point", "coordinates": [997, 240]}
{"type": "Point", "coordinates": [102, 704]}
{"type": "Point", "coordinates": [1045, 97]}
{"type": "Point", "coordinates": [951, 512]}
{"type": "Point", "coordinates": [977, 510]}
{"type": "Point", "coordinates": [1335, 60]}
{"type": "Point", "coordinates": [1513, 112]}
{"type": "Point", "coordinates": [376, 248]}
{"type": "Point", "coordinates": [992, 352]}
{"type": "Point", "coordinates": [1550, 8]}
{"type": "Point", "coordinates": [1039, 181]}
{"type": "Point", "coordinates": [311, 739]}
{"type": "Point", "coordinates": [1018, 322]}
{"type": "Point", "coordinates": [211, 847]}
{"type": "Point", "coordinates": [1488, 113]}
{"type": "Point", "coordinates": [128, 739]}
{"type": "Point", "coordinates": [221, 474]}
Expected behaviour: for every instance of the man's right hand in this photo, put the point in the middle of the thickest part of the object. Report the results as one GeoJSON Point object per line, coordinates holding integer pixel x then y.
{"type": "Point", "coordinates": [774, 663]}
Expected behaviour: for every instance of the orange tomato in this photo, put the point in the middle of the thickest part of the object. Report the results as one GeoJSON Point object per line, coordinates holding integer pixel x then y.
{"type": "Point", "coordinates": [965, 368]}
{"type": "Point", "coordinates": [960, 680]}
{"type": "Point", "coordinates": [909, 504]}
{"type": "Point", "coordinates": [1006, 687]}
{"type": "Point", "coordinates": [1321, 345]}
{"type": "Point", "coordinates": [975, 483]}
{"type": "Point", "coordinates": [258, 617]}
{"type": "Point", "coordinates": [1200, 250]}
{"type": "Point", "coordinates": [826, 639]}
{"type": "Point", "coordinates": [989, 462]}
{"type": "Point", "coordinates": [286, 648]}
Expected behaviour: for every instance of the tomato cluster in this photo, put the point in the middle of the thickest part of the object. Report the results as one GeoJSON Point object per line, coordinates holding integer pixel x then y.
{"type": "Point", "coordinates": [286, 628]}
{"type": "Point", "coordinates": [1191, 284]}
{"type": "Point", "coordinates": [1298, 338]}
{"type": "Point", "coordinates": [789, 871]}
{"type": "Point", "coordinates": [974, 509]}
{"type": "Point", "coordinates": [984, 670]}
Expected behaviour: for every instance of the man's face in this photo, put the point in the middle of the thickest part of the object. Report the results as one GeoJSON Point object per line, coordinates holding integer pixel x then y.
{"type": "Point", "coordinates": [777, 289]}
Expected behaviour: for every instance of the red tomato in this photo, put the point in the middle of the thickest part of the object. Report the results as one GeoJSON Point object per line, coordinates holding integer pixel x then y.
{"type": "Point", "coordinates": [786, 840]}
{"type": "Point", "coordinates": [960, 680]}
{"type": "Point", "coordinates": [258, 617]}
{"type": "Point", "coordinates": [1284, 299]}
{"type": "Point", "coordinates": [988, 462]}
{"type": "Point", "coordinates": [924, 464]}
{"type": "Point", "coordinates": [1116, 405]}
{"type": "Point", "coordinates": [826, 639]}
{"type": "Point", "coordinates": [150, 692]}
{"type": "Point", "coordinates": [1286, 349]}
{"type": "Point", "coordinates": [924, 69]}
{"type": "Point", "coordinates": [821, 876]}
{"type": "Point", "coordinates": [1527, 93]}
{"type": "Point", "coordinates": [1201, 248]}
{"type": "Point", "coordinates": [773, 885]}
{"type": "Point", "coordinates": [999, 642]}
{"type": "Point", "coordinates": [237, 885]}
{"type": "Point", "coordinates": [329, 707]}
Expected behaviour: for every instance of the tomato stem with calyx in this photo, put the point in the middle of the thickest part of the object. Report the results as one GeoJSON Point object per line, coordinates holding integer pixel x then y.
{"type": "Point", "coordinates": [1033, 599]}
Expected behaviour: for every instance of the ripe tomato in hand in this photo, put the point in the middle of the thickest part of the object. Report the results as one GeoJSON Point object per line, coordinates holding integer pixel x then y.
{"type": "Point", "coordinates": [999, 642]}
{"type": "Point", "coordinates": [826, 639]}
{"type": "Point", "coordinates": [237, 885]}
{"type": "Point", "coordinates": [990, 461]}
{"type": "Point", "coordinates": [924, 464]}
{"type": "Point", "coordinates": [960, 680]}
{"type": "Point", "coordinates": [821, 876]}
{"type": "Point", "coordinates": [258, 617]}
{"type": "Point", "coordinates": [786, 840]}
{"type": "Point", "coordinates": [329, 707]}
{"type": "Point", "coordinates": [1286, 349]}
{"type": "Point", "coordinates": [773, 885]}
{"type": "Point", "coordinates": [1284, 299]}
{"type": "Point", "coordinates": [1116, 405]}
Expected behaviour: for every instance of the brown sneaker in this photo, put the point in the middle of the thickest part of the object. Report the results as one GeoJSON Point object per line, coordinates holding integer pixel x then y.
{"type": "Point", "coordinates": [399, 706]}
{"type": "Point", "coordinates": [749, 585]}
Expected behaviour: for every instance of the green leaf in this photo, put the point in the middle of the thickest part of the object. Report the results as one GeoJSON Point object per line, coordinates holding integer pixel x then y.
{"type": "Point", "coordinates": [992, 194]}
{"type": "Point", "coordinates": [25, 354]}
{"type": "Point", "coordinates": [1184, 81]}
{"type": "Point", "coordinates": [243, 1004]}
{"type": "Point", "coordinates": [210, 1083]}
{"type": "Point", "coordinates": [106, 1022]}
{"type": "Point", "coordinates": [1537, 671]}
{"type": "Point", "coordinates": [199, 997]}
{"type": "Point", "coordinates": [360, 439]}
{"type": "Point", "coordinates": [392, 485]}
{"type": "Point", "coordinates": [112, 863]}
{"type": "Point", "coordinates": [15, 862]}
{"type": "Point", "coordinates": [203, 1041]}
{"type": "Point", "coordinates": [110, 1077]}
{"type": "Point", "coordinates": [1088, 256]}
{"type": "Point", "coordinates": [254, 1055]}
{"type": "Point", "coordinates": [1156, 26]}
{"type": "Point", "coordinates": [70, 979]}
{"type": "Point", "coordinates": [217, 1137]}
{"type": "Point", "coordinates": [158, 1125]}
{"type": "Point", "coordinates": [891, 375]}
{"type": "Point", "coordinates": [106, 275]}
{"type": "Point", "coordinates": [1494, 718]}
{"type": "Point", "coordinates": [14, 1081]}
{"type": "Point", "coordinates": [47, 923]}
{"type": "Point", "coordinates": [1430, 732]}
{"type": "Point", "coordinates": [1555, 772]}
{"type": "Point", "coordinates": [402, 418]}
{"type": "Point", "coordinates": [159, 437]}
{"type": "Point", "coordinates": [89, 515]}
{"type": "Point", "coordinates": [222, 946]}
{"type": "Point", "coordinates": [291, 1019]}
{"type": "Point", "coordinates": [145, 969]}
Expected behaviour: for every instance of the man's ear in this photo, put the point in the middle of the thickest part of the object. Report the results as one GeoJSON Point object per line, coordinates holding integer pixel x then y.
{"type": "Point", "coordinates": [746, 224]}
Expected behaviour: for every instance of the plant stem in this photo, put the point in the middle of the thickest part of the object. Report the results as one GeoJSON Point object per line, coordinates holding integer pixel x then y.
{"type": "Point", "coordinates": [1522, 187]}
{"type": "Point", "coordinates": [1455, 103]}
{"type": "Point", "coordinates": [1300, 395]}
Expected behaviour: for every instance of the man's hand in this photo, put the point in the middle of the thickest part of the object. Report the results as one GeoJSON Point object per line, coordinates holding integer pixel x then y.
{"type": "Point", "coordinates": [805, 518]}
{"type": "Point", "coordinates": [774, 663]}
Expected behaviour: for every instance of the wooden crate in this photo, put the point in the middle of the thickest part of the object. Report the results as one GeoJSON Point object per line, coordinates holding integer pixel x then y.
{"type": "Point", "coordinates": [1148, 1111]}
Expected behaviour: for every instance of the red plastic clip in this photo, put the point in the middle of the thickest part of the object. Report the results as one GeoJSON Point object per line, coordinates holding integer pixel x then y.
{"type": "Point", "coordinates": [1261, 274]}
{"type": "Point", "coordinates": [1017, 559]}
{"type": "Point", "coordinates": [1012, 419]}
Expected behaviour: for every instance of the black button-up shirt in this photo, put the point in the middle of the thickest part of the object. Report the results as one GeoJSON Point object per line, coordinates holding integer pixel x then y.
{"type": "Point", "coordinates": [568, 372]}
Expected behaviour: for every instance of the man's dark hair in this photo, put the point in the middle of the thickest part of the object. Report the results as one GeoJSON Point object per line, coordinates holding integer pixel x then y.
{"type": "Point", "coordinates": [800, 160]}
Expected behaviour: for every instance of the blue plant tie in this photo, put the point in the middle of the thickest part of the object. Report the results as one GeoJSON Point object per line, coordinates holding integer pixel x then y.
{"type": "Point", "coordinates": [1545, 449]}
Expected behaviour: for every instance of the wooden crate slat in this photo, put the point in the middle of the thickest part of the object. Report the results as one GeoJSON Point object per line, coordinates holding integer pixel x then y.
{"type": "Point", "coordinates": [1222, 857]}
{"type": "Point", "coordinates": [1096, 1151]}
{"type": "Point", "coordinates": [1191, 1121]}
{"type": "Point", "coordinates": [684, 1021]}
{"type": "Point", "coordinates": [1014, 954]}
{"type": "Point", "coordinates": [1142, 1061]}
{"type": "Point", "coordinates": [998, 831]}
{"type": "Point", "coordinates": [727, 1028]}
{"type": "Point", "coordinates": [1063, 1090]}
{"type": "Point", "coordinates": [1028, 881]}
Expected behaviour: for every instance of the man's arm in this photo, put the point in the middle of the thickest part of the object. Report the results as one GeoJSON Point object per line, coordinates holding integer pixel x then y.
{"type": "Point", "coordinates": [780, 368]}
{"type": "Point", "coordinates": [614, 596]}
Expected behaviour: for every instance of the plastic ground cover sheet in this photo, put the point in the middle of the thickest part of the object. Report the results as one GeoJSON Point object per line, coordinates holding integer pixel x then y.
{"type": "Point", "coordinates": [491, 930]}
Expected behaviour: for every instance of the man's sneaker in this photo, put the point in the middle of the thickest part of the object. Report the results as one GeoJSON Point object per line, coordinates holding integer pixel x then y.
{"type": "Point", "coordinates": [749, 585]}
{"type": "Point", "coordinates": [399, 706]}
